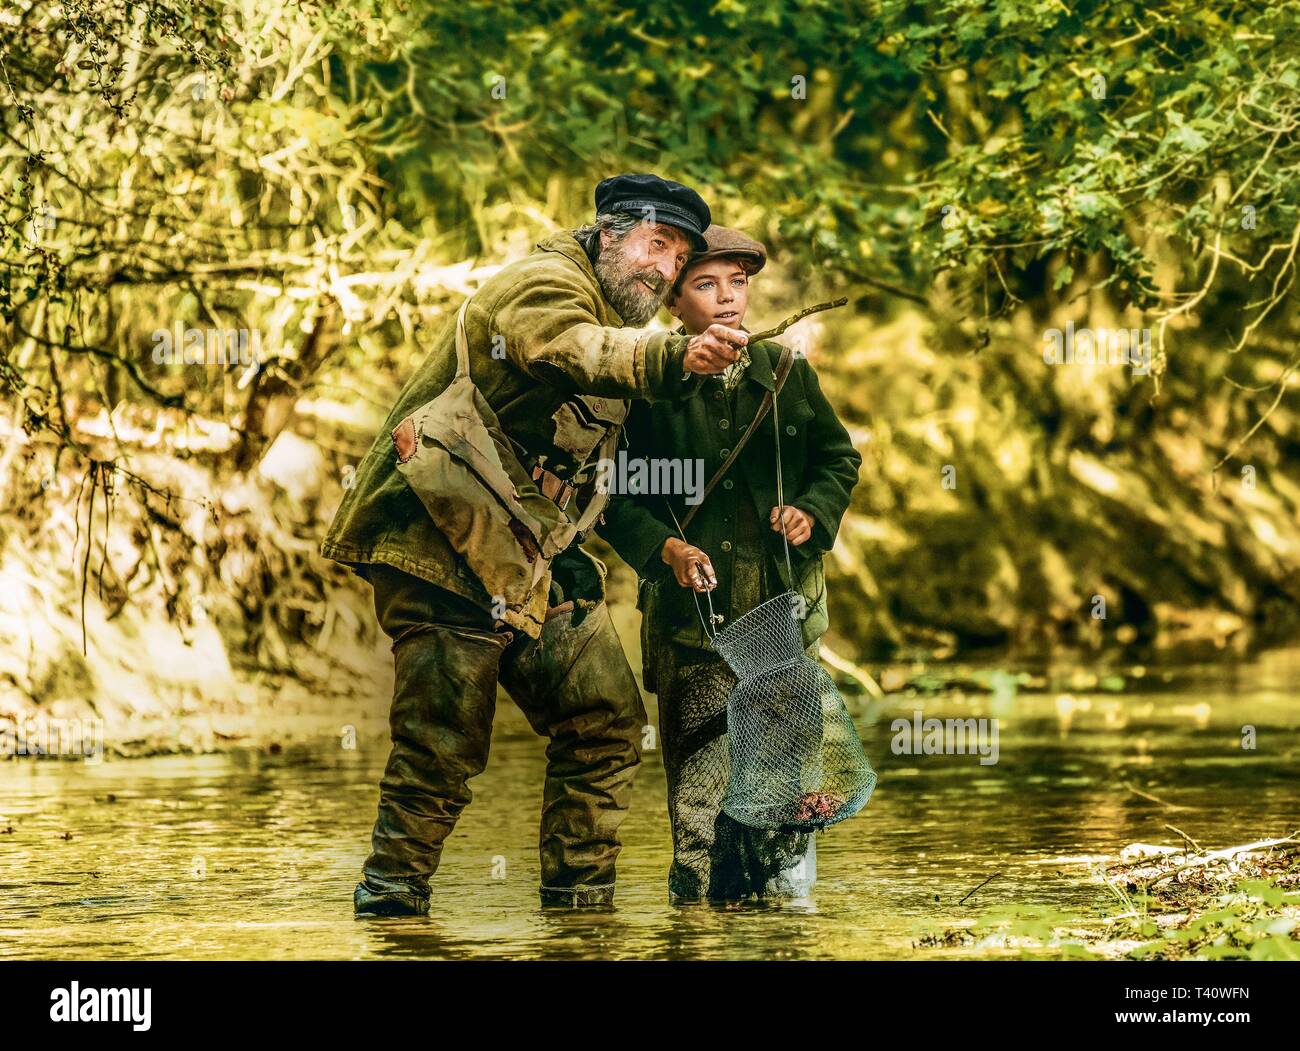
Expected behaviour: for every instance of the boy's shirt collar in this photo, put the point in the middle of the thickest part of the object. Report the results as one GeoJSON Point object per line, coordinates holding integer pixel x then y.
{"type": "Point", "coordinates": [756, 368]}
{"type": "Point", "coordinates": [735, 372]}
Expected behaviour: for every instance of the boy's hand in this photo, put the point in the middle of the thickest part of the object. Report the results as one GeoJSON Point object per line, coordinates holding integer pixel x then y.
{"type": "Point", "coordinates": [798, 524]}
{"type": "Point", "coordinates": [714, 349]}
{"type": "Point", "coordinates": [690, 565]}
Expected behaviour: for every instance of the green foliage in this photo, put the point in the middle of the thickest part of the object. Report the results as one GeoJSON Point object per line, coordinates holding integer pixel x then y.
{"type": "Point", "coordinates": [319, 172]}
{"type": "Point", "coordinates": [1250, 922]}
{"type": "Point", "coordinates": [933, 137]}
{"type": "Point", "coordinates": [1012, 151]}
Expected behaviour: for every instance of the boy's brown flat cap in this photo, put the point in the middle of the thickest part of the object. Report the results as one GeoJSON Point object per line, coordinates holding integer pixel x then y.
{"type": "Point", "coordinates": [724, 242]}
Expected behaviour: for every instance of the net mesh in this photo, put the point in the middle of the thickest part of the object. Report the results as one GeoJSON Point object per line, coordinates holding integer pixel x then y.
{"type": "Point", "coordinates": [714, 856]}
{"type": "Point", "coordinates": [797, 763]}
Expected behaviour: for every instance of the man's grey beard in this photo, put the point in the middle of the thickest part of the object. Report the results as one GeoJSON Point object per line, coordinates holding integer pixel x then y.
{"type": "Point", "coordinates": [619, 283]}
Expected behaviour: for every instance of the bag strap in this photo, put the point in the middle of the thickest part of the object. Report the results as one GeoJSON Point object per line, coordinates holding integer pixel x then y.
{"type": "Point", "coordinates": [780, 497]}
{"type": "Point", "coordinates": [406, 435]}
{"type": "Point", "coordinates": [462, 344]}
{"type": "Point", "coordinates": [595, 505]}
{"type": "Point", "coordinates": [783, 367]}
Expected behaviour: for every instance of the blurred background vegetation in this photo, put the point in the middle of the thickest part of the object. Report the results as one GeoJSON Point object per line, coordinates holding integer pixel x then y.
{"type": "Point", "coordinates": [335, 177]}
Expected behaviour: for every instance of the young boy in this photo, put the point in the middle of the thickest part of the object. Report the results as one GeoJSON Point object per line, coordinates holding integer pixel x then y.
{"type": "Point", "coordinates": [732, 549]}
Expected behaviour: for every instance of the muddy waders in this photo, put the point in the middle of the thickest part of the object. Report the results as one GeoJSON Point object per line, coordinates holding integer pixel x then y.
{"type": "Point", "coordinates": [575, 688]}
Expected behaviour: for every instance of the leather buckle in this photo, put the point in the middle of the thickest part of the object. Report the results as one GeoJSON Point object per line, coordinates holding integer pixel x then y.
{"type": "Point", "coordinates": [553, 487]}
{"type": "Point", "coordinates": [560, 610]}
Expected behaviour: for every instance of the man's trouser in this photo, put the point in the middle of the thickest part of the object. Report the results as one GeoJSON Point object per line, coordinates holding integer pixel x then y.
{"type": "Point", "coordinates": [575, 688]}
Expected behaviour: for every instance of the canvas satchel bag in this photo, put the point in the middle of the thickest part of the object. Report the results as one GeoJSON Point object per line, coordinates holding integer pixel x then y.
{"type": "Point", "coordinates": [455, 456]}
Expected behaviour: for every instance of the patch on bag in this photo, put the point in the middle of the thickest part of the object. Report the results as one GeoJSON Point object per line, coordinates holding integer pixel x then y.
{"type": "Point", "coordinates": [525, 538]}
{"type": "Point", "coordinates": [404, 439]}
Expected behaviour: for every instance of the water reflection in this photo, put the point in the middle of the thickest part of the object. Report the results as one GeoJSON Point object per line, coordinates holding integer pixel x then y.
{"type": "Point", "coordinates": [252, 855]}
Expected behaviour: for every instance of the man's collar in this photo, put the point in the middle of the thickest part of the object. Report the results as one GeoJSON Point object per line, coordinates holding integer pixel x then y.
{"type": "Point", "coordinates": [567, 245]}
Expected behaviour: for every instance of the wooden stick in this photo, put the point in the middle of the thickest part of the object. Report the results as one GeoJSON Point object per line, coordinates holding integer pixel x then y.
{"type": "Point", "coordinates": [853, 671]}
{"type": "Point", "coordinates": [1156, 799]}
{"type": "Point", "coordinates": [984, 884]}
{"type": "Point", "coordinates": [1214, 856]}
{"type": "Point", "coordinates": [772, 333]}
{"type": "Point", "coordinates": [1186, 837]}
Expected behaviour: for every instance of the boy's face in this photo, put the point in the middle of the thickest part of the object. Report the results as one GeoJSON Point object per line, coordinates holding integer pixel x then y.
{"type": "Point", "coordinates": [713, 292]}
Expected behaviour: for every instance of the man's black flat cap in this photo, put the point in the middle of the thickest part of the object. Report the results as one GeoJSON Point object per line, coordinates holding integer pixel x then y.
{"type": "Point", "coordinates": [662, 200]}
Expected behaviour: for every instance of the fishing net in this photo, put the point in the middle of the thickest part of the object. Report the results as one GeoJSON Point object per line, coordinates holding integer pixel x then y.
{"type": "Point", "coordinates": [797, 763]}
{"type": "Point", "coordinates": [715, 857]}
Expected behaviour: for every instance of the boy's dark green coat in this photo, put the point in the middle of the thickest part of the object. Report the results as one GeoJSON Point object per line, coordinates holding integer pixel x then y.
{"type": "Point", "coordinates": [820, 469]}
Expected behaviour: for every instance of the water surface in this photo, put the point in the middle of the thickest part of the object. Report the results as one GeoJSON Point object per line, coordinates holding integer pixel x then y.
{"type": "Point", "coordinates": [252, 855]}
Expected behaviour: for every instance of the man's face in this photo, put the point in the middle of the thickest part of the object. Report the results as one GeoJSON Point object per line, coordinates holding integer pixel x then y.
{"type": "Point", "coordinates": [714, 292]}
{"type": "Point", "coordinates": [637, 271]}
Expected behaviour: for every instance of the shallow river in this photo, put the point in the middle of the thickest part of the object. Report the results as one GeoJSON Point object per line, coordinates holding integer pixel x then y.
{"type": "Point", "coordinates": [254, 855]}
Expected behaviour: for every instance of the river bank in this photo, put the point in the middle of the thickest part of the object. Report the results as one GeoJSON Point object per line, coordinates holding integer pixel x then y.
{"type": "Point", "coordinates": [1157, 902]}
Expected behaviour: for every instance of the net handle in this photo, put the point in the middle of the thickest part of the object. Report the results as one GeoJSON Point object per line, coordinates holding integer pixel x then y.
{"type": "Point", "coordinates": [780, 491]}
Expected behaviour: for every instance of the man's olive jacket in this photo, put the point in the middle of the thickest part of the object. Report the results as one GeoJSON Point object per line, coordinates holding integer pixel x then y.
{"type": "Point", "coordinates": [551, 358]}
{"type": "Point", "coordinates": [819, 468]}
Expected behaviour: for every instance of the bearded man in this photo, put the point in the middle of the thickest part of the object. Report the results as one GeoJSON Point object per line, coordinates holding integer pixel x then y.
{"type": "Point", "coordinates": [545, 345]}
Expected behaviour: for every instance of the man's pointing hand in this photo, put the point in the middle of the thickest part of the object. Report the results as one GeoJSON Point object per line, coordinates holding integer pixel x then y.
{"type": "Point", "coordinates": [714, 349]}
